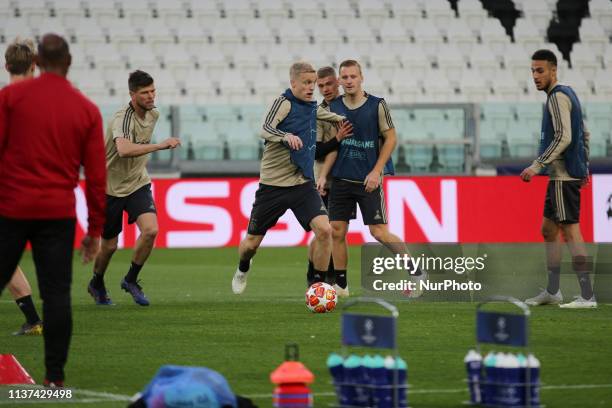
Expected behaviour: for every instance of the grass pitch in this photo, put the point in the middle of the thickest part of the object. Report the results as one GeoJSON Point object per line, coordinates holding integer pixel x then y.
{"type": "Point", "coordinates": [194, 319]}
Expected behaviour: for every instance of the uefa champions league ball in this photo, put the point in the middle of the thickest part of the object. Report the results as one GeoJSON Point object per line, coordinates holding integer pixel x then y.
{"type": "Point", "coordinates": [321, 298]}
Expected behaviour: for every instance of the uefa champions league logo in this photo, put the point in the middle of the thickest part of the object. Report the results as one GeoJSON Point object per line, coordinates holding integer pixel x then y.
{"type": "Point", "coordinates": [501, 334]}
{"type": "Point", "coordinates": [368, 337]}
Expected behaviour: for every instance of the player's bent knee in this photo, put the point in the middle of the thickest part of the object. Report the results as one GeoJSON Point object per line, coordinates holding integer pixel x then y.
{"type": "Point", "coordinates": [323, 232]}
{"type": "Point", "coordinates": [109, 246]}
{"type": "Point", "coordinates": [150, 234]}
{"type": "Point", "coordinates": [378, 232]}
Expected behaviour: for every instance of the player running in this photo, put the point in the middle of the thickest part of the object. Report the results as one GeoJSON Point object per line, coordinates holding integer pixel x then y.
{"type": "Point", "coordinates": [564, 152]}
{"type": "Point", "coordinates": [128, 187]}
{"type": "Point", "coordinates": [286, 174]}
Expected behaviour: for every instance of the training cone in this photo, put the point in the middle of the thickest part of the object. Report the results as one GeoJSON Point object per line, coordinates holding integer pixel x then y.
{"type": "Point", "coordinates": [11, 372]}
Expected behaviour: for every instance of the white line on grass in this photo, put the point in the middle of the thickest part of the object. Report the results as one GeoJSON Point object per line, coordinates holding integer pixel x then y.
{"type": "Point", "coordinates": [454, 390]}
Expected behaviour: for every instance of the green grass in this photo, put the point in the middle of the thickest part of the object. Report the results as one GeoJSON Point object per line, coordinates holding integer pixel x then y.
{"type": "Point", "coordinates": [194, 319]}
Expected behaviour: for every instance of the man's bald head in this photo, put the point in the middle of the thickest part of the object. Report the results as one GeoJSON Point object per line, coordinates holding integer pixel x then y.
{"type": "Point", "coordinates": [53, 54]}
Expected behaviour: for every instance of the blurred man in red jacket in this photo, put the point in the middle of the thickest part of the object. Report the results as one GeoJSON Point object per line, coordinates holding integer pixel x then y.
{"type": "Point", "coordinates": [48, 129]}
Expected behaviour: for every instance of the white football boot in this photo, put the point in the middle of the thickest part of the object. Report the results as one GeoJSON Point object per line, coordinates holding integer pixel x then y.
{"type": "Point", "coordinates": [341, 292]}
{"type": "Point", "coordinates": [545, 298]}
{"type": "Point", "coordinates": [580, 303]}
{"type": "Point", "coordinates": [239, 281]}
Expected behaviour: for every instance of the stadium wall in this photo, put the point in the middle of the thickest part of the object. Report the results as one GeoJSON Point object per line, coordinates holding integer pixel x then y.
{"type": "Point", "coordinates": [213, 212]}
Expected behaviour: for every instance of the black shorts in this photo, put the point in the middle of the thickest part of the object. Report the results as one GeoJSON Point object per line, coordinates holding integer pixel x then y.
{"type": "Point", "coordinates": [562, 204]}
{"type": "Point", "coordinates": [344, 197]}
{"type": "Point", "coordinates": [272, 202]}
{"type": "Point", "coordinates": [135, 204]}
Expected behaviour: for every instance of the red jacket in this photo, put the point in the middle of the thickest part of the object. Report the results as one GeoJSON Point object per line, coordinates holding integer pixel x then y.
{"type": "Point", "coordinates": [48, 129]}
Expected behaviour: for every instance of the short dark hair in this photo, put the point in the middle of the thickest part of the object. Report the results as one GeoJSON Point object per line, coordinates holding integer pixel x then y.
{"type": "Point", "coordinates": [545, 55]}
{"type": "Point", "coordinates": [349, 63]}
{"type": "Point", "coordinates": [139, 79]}
{"type": "Point", "coordinates": [53, 52]}
{"type": "Point", "coordinates": [19, 56]}
{"type": "Point", "coordinates": [325, 72]}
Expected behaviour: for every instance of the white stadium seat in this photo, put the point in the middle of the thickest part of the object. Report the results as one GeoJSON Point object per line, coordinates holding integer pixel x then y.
{"type": "Point", "coordinates": [472, 12]}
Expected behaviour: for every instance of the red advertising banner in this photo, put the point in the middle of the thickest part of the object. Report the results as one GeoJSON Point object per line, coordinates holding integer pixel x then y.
{"type": "Point", "coordinates": [214, 212]}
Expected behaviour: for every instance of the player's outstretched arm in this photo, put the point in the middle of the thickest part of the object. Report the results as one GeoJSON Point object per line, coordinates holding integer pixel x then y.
{"type": "Point", "coordinates": [125, 148]}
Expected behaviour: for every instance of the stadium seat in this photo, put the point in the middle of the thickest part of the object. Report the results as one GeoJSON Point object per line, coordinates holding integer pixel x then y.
{"type": "Point", "coordinates": [437, 87]}
{"type": "Point", "coordinates": [162, 131]}
{"type": "Point", "coordinates": [326, 37]}
{"type": "Point", "coordinates": [395, 36]}
{"type": "Point", "coordinates": [584, 60]}
{"type": "Point", "coordinates": [517, 61]}
{"type": "Point", "coordinates": [313, 55]}
{"type": "Point", "coordinates": [451, 63]}
{"type": "Point", "coordinates": [171, 13]}
{"type": "Point", "coordinates": [494, 36]}
{"type": "Point", "coordinates": [472, 12]}
{"type": "Point", "coordinates": [243, 141]}
{"type": "Point", "coordinates": [142, 58]}
{"type": "Point", "coordinates": [239, 12]}
{"type": "Point", "coordinates": [603, 85]}
{"type": "Point", "coordinates": [451, 158]}
{"type": "Point", "coordinates": [374, 12]}
{"type": "Point", "coordinates": [210, 59]}
{"type": "Point", "coordinates": [197, 86]}
{"type": "Point", "coordinates": [594, 36]}
{"type": "Point", "coordinates": [259, 37]}
{"type": "Point", "coordinates": [383, 61]}
{"type": "Point", "coordinates": [269, 86]}
{"type": "Point", "coordinates": [253, 115]}
{"type": "Point", "coordinates": [205, 12]}
{"type": "Point", "coordinates": [136, 12]}
{"type": "Point", "coordinates": [483, 61]}
{"type": "Point", "coordinates": [374, 84]}
{"type": "Point", "coordinates": [247, 61]}
{"type": "Point", "coordinates": [414, 61]}
{"type": "Point", "coordinates": [526, 34]}
{"type": "Point", "coordinates": [234, 88]}
{"type": "Point", "coordinates": [418, 157]}
{"type": "Point", "coordinates": [407, 12]}
{"type": "Point", "coordinates": [439, 12]}
{"type": "Point", "coordinates": [273, 12]}
{"type": "Point", "coordinates": [103, 12]}
{"type": "Point", "coordinates": [33, 12]}
{"type": "Point", "coordinates": [278, 62]}
{"type": "Point", "coordinates": [292, 35]}
{"type": "Point", "coordinates": [360, 37]}
{"type": "Point", "coordinates": [505, 87]}
{"type": "Point", "coordinates": [177, 61]}
{"type": "Point", "coordinates": [474, 86]}
{"type": "Point", "coordinates": [339, 13]}
{"type": "Point", "coordinates": [427, 36]}
{"type": "Point", "coordinates": [460, 36]}
{"type": "Point", "coordinates": [539, 13]}
{"type": "Point", "coordinates": [160, 39]}
{"type": "Point", "coordinates": [306, 13]}
{"type": "Point", "coordinates": [69, 12]}
{"type": "Point", "coordinates": [166, 87]}
{"type": "Point", "coordinates": [195, 128]}
{"type": "Point", "coordinates": [405, 87]}
{"type": "Point", "coordinates": [574, 78]}
{"type": "Point", "coordinates": [601, 10]}
{"type": "Point", "coordinates": [227, 37]}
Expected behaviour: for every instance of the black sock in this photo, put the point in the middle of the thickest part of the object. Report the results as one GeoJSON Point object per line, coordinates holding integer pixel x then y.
{"type": "Point", "coordinates": [244, 266]}
{"type": "Point", "coordinates": [310, 271]}
{"type": "Point", "coordinates": [554, 276]}
{"type": "Point", "coordinates": [97, 281]}
{"type": "Point", "coordinates": [27, 308]}
{"type": "Point", "coordinates": [582, 266]}
{"type": "Point", "coordinates": [341, 278]}
{"type": "Point", "coordinates": [331, 273]}
{"type": "Point", "coordinates": [317, 275]}
{"type": "Point", "coordinates": [132, 274]}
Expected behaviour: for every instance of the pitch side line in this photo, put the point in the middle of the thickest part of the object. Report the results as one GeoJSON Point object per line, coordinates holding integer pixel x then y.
{"type": "Point", "coordinates": [454, 390]}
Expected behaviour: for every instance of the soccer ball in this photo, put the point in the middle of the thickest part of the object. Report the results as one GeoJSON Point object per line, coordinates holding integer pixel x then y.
{"type": "Point", "coordinates": [321, 298]}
